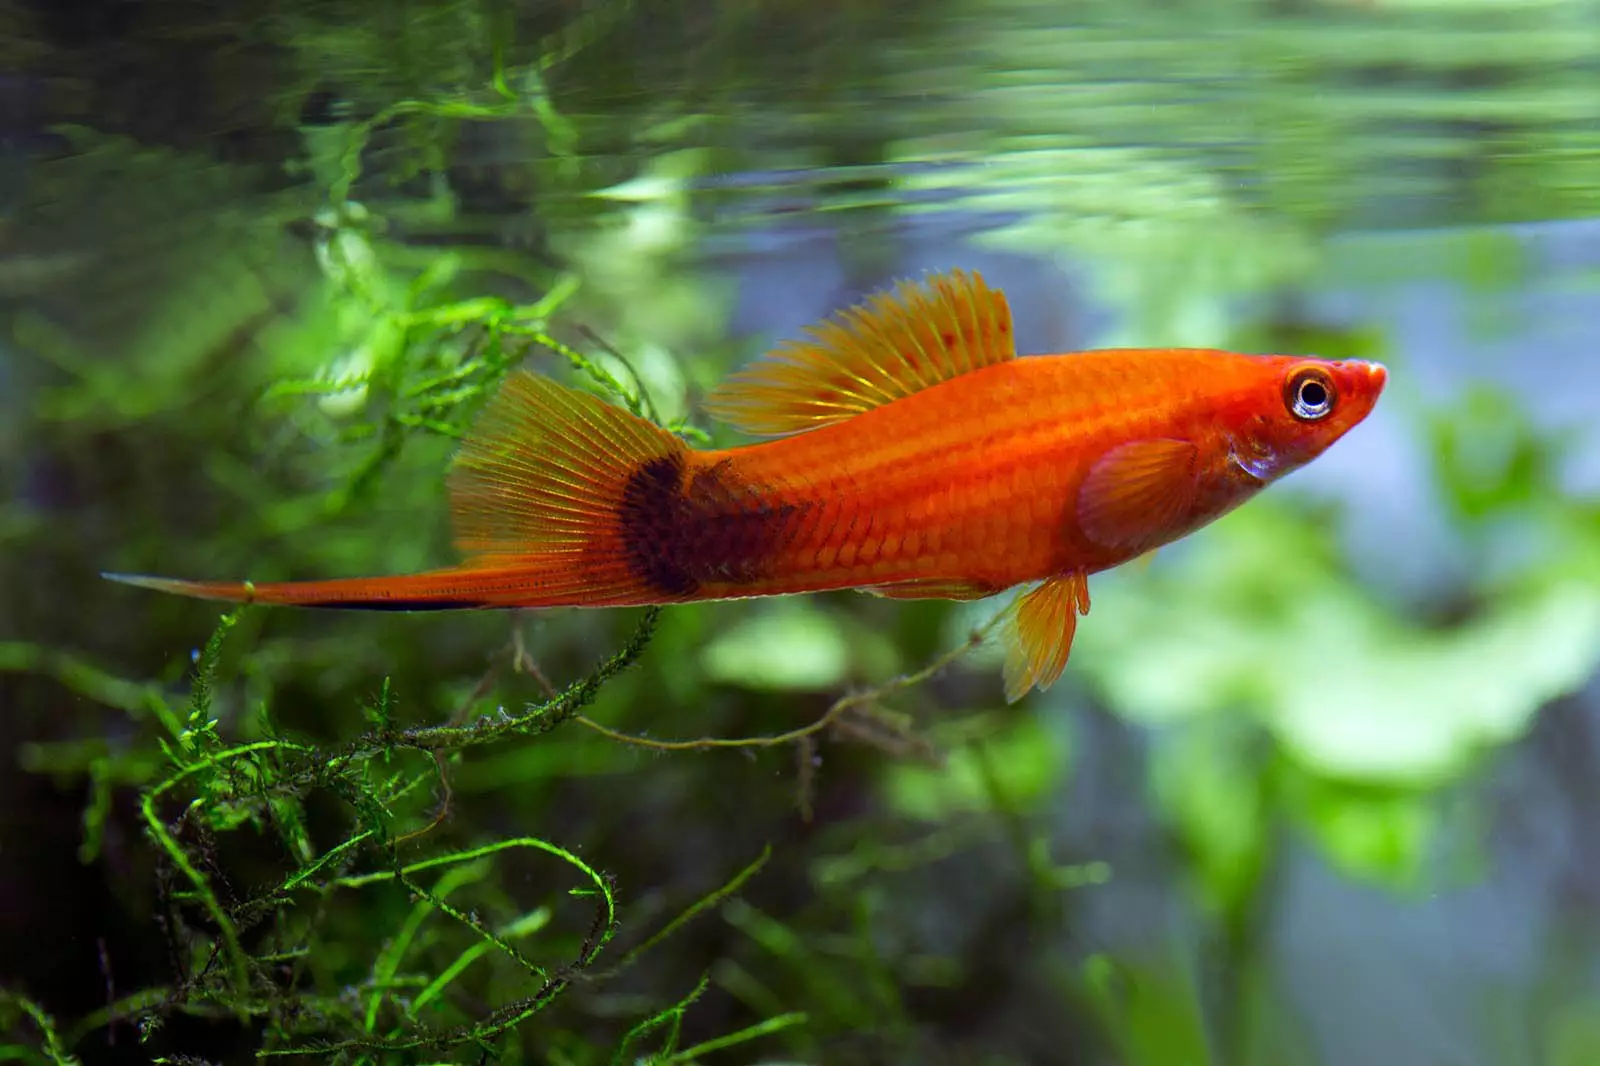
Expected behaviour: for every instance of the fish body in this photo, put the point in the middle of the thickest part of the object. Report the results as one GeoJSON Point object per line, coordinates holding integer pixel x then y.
{"type": "Point", "coordinates": [978, 480]}
{"type": "Point", "coordinates": [914, 455]}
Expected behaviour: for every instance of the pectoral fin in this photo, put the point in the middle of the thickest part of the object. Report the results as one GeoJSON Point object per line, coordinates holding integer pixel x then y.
{"type": "Point", "coordinates": [1138, 494]}
{"type": "Point", "coordinates": [1039, 633]}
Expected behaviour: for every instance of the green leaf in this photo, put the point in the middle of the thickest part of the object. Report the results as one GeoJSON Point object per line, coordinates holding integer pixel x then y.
{"type": "Point", "coordinates": [1027, 759]}
{"type": "Point", "coordinates": [791, 646]}
{"type": "Point", "coordinates": [1255, 616]}
{"type": "Point", "coordinates": [1210, 790]}
{"type": "Point", "coordinates": [1376, 835]}
{"type": "Point", "coordinates": [1151, 1011]}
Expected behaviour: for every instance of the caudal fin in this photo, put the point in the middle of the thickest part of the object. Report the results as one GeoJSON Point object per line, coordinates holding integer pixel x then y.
{"type": "Point", "coordinates": [553, 498]}
{"type": "Point", "coordinates": [454, 589]}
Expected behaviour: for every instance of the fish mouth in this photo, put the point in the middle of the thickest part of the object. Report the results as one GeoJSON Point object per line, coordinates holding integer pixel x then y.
{"type": "Point", "coordinates": [1377, 376]}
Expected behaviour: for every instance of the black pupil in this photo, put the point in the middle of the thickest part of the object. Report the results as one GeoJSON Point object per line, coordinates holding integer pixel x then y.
{"type": "Point", "coordinates": [1313, 394]}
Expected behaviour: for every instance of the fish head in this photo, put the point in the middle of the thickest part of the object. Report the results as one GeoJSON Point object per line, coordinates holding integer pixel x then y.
{"type": "Point", "coordinates": [1294, 408]}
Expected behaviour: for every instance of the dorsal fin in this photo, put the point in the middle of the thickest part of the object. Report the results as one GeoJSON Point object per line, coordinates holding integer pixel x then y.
{"type": "Point", "coordinates": [887, 347]}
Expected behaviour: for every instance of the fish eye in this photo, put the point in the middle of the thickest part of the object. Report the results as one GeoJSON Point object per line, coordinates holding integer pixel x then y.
{"type": "Point", "coordinates": [1309, 394]}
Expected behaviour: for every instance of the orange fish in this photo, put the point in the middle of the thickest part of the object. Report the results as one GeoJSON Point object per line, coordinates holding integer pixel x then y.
{"type": "Point", "coordinates": [917, 456]}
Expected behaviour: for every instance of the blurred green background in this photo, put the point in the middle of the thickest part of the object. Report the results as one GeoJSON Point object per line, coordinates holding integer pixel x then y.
{"type": "Point", "coordinates": [1316, 788]}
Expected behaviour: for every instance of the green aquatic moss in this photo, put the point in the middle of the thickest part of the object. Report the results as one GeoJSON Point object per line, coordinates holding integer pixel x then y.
{"type": "Point", "coordinates": [210, 788]}
{"type": "Point", "coordinates": [307, 895]}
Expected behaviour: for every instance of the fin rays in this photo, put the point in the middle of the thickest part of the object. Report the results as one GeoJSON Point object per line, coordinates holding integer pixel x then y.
{"type": "Point", "coordinates": [891, 345]}
{"type": "Point", "coordinates": [1039, 627]}
{"type": "Point", "coordinates": [1135, 493]}
{"type": "Point", "coordinates": [545, 468]}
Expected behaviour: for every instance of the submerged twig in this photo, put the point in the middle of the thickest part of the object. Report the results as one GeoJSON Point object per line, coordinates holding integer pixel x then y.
{"type": "Point", "coordinates": [864, 698]}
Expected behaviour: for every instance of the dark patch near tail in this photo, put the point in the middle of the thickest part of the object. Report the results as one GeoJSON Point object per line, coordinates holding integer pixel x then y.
{"type": "Point", "coordinates": [651, 503]}
{"type": "Point", "coordinates": [716, 527]}
{"type": "Point", "coordinates": [396, 604]}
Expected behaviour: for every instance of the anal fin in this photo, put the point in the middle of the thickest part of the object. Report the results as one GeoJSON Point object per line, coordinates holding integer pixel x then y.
{"type": "Point", "coordinates": [1039, 631]}
{"type": "Point", "coordinates": [932, 589]}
